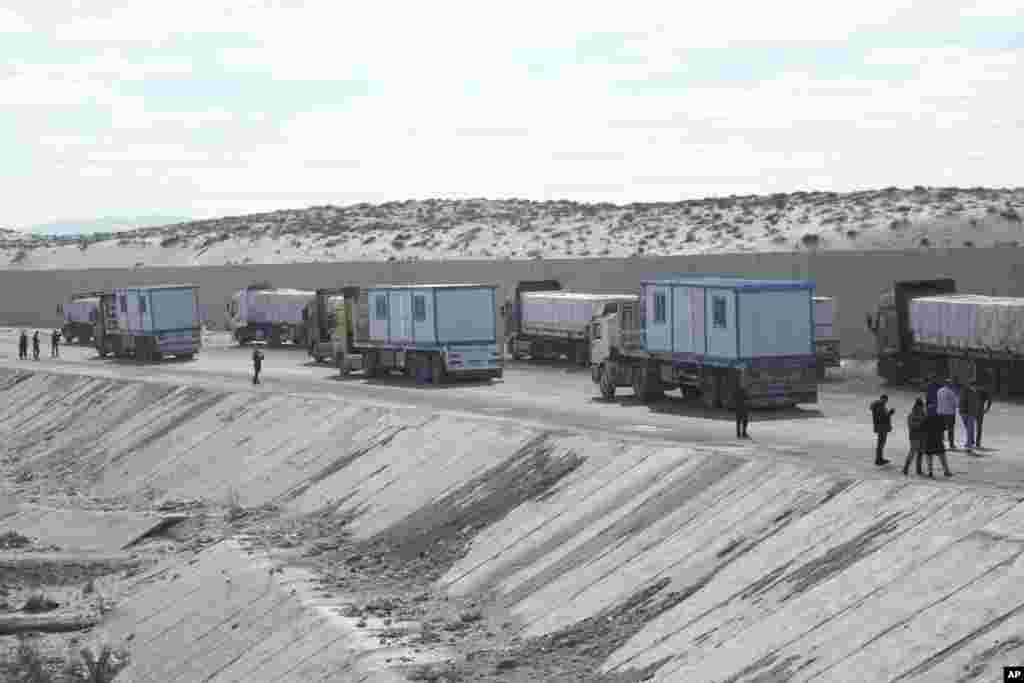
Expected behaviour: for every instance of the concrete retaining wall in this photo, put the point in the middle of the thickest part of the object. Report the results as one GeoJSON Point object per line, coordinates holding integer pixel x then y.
{"type": "Point", "coordinates": [855, 278]}
{"type": "Point", "coordinates": [760, 570]}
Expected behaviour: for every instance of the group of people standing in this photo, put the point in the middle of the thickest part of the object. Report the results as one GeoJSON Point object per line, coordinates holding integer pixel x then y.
{"type": "Point", "coordinates": [23, 342]}
{"type": "Point", "coordinates": [932, 422]}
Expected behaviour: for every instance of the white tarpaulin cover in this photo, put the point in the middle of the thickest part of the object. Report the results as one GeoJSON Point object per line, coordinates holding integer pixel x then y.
{"type": "Point", "coordinates": [969, 321]}
{"type": "Point", "coordinates": [81, 310]}
{"type": "Point", "coordinates": [272, 305]}
{"type": "Point", "coordinates": [824, 317]}
{"type": "Point", "coordinates": [564, 311]}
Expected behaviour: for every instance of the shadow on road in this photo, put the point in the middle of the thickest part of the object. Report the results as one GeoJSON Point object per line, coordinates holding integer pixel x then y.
{"type": "Point", "coordinates": [695, 409]}
{"type": "Point", "coordinates": [397, 380]}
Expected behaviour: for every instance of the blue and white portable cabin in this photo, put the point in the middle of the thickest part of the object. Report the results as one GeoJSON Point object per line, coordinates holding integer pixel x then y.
{"type": "Point", "coordinates": [458, 320]}
{"type": "Point", "coordinates": [729, 321]}
{"type": "Point", "coordinates": [167, 314]}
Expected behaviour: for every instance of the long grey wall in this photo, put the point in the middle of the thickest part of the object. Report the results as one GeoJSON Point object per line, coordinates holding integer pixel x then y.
{"type": "Point", "coordinates": [856, 279]}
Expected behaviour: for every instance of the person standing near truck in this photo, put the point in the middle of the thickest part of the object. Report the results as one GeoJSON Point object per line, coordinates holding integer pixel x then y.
{"type": "Point", "coordinates": [881, 416]}
{"type": "Point", "coordinates": [741, 403]}
{"type": "Point", "coordinates": [969, 409]}
{"type": "Point", "coordinates": [257, 365]}
{"type": "Point", "coordinates": [35, 345]}
{"type": "Point", "coordinates": [23, 346]}
{"type": "Point", "coordinates": [984, 405]}
{"type": "Point", "coordinates": [55, 344]}
{"type": "Point", "coordinates": [916, 432]}
{"type": "Point", "coordinates": [946, 408]}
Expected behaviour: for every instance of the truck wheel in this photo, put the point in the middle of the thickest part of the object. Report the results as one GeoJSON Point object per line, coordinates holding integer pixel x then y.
{"type": "Point", "coordinates": [709, 392]}
{"type": "Point", "coordinates": [607, 383]}
{"type": "Point", "coordinates": [370, 364]}
{"type": "Point", "coordinates": [437, 373]}
{"type": "Point", "coordinates": [640, 385]}
{"type": "Point", "coordinates": [822, 371]}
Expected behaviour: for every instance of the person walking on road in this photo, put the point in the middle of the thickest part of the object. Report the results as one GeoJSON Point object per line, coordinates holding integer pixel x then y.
{"type": "Point", "coordinates": [55, 344]}
{"type": "Point", "coordinates": [935, 428]}
{"type": "Point", "coordinates": [881, 416]}
{"type": "Point", "coordinates": [741, 401]}
{"type": "Point", "coordinates": [257, 365]}
{"type": "Point", "coordinates": [946, 408]}
{"type": "Point", "coordinates": [916, 431]}
{"type": "Point", "coordinates": [984, 405]}
{"type": "Point", "coordinates": [35, 345]}
{"type": "Point", "coordinates": [23, 346]}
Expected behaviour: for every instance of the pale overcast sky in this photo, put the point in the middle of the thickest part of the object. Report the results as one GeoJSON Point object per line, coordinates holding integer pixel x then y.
{"type": "Point", "coordinates": [205, 108]}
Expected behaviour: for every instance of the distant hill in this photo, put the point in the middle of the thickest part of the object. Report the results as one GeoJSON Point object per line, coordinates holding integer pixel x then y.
{"type": "Point", "coordinates": [440, 229]}
{"type": "Point", "coordinates": [89, 227]}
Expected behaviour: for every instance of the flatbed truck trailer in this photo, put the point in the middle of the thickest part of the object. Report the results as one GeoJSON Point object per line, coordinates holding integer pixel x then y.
{"type": "Point", "coordinates": [430, 332]}
{"type": "Point", "coordinates": [706, 335]}
{"type": "Point", "coordinates": [147, 322]}
{"type": "Point", "coordinates": [267, 314]}
{"type": "Point", "coordinates": [926, 330]}
{"type": "Point", "coordinates": [544, 322]}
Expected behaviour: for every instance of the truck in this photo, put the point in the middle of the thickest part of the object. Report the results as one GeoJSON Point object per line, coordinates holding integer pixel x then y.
{"type": "Point", "coordinates": [265, 313]}
{"type": "Point", "coordinates": [327, 331]}
{"type": "Point", "coordinates": [79, 315]}
{"type": "Point", "coordinates": [826, 340]}
{"type": "Point", "coordinates": [925, 329]}
{"type": "Point", "coordinates": [146, 322]}
{"type": "Point", "coordinates": [708, 335]}
{"type": "Point", "coordinates": [430, 332]}
{"type": "Point", "coordinates": [544, 322]}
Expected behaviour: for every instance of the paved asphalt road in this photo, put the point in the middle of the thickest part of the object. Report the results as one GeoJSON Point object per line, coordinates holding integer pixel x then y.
{"type": "Point", "coordinates": [834, 434]}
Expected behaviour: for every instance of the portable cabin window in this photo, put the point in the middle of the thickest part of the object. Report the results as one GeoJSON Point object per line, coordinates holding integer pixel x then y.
{"type": "Point", "coordinates": [124, 304]}
{"type": "Point", "coordinates": [142, 304]}
{"type": "Point", "coordinates": [660, 306]}
{"type": "Point", "coordinates": [381, 307]}
{"type": "Point", "coordinates": [419, 308]}
{"type": "Point", "coordinates": [718, 308]}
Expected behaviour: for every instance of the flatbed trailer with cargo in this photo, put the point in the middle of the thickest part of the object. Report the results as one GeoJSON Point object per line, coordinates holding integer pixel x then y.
{"type": "Point", "coordinates": [544, 322]}
{"type": "Point", "coordinates": [430, 332]}
{"type": "Point", "coordinates": [148, 322]}
{"type": "Point", "coordinates": [925, 329]}
{"type": "Point", "coordinates": [707, 335]}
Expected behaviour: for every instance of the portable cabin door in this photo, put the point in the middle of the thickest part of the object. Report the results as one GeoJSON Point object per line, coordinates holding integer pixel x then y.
{"type": "Point", "coordinates": [378, 305]}
{"type": "Point", "coordinates": [720, 323]}
{"type": "Point", "coordinates": [688, 320]}
{"type": "Point", "coordinates": [657, 326]}
{"type": "Point", "coordinates": [423, 316]}
{"type": "Point", "coordinates": [400, 316]}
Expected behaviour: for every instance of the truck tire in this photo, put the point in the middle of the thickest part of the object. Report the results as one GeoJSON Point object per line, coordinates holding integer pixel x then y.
{"type": "Point", "coordinates": [822, 371]}
{"type": "Point", "coordinates": [643, 385]}
{"type": "Point", "coordinates": [370, 365]}
{"type": "Point", "coordinates": [582, 355]}
{"type": "Point", "coordinates": [437, 372]}
{"type": "Point", "coordinates": [709, 391]}
{"type": "Point", "coordinates": [607, 383]}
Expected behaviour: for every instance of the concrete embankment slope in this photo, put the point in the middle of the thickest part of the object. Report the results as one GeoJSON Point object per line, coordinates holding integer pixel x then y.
{"type": "Point", "coordinates": [725, 565]}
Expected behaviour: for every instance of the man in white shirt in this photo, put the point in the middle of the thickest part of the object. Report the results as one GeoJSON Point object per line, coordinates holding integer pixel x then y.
{"type": "Point", "coordinates": [947, 404]}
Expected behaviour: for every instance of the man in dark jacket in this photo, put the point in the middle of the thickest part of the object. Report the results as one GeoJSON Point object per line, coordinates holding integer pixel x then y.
{"type": "Point", "coordinates": [257, 365]}
{"type": "Point", "coordinates": [55, 344]}
{"type": "Point", "coordinates": [984, 405]}
{"type": "Point", "coordinates": [35, 345]}
{"type": "Point", "coordinates": [23, 346]}
{"type": "Point", "coordinates": [742, 407]}
{"type": "Point", "coordinates": [881, 415]}
{"type": "Point", "coordinates": [932, 396]}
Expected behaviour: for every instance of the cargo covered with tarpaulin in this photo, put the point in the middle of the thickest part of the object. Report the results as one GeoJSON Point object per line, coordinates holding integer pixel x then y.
{"type": "Point", "coordinates": [564, 313]}
{"type": "Point", "coordinates": [272, 306]}
{"type": "Point", "coordinates": [81, 310]}
{"type": "Point", "coordinates": [968, 322]}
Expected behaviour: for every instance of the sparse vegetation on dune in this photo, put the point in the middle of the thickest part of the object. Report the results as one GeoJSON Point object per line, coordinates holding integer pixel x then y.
{"type": "Point", "coordinates": [438, 229]}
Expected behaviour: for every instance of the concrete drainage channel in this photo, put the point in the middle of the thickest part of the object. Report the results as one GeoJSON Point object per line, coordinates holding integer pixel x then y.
{"type": "Point", "coordinates": [261, 537]}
